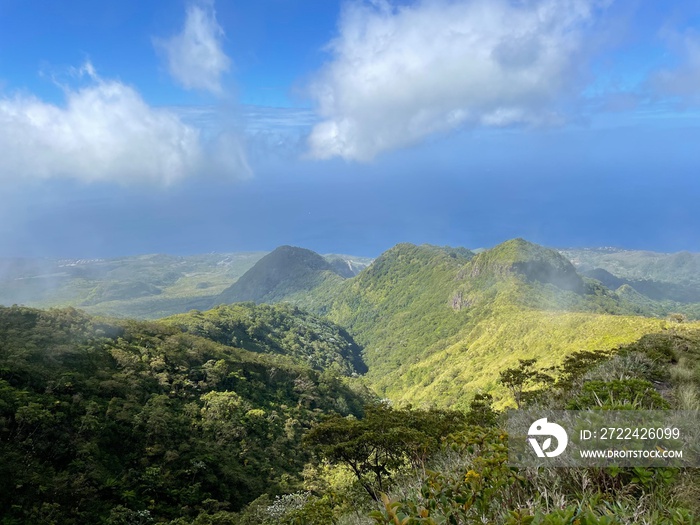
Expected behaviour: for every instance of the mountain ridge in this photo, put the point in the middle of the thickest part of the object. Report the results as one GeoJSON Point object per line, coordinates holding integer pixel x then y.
{"type": "Point", "coordinates": [415, 303]}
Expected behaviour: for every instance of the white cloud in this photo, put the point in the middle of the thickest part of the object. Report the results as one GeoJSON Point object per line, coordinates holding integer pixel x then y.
{"type": "Point", "coordinates": [105, 131]}
{"type": "Point", "coordinates": [401, 74]}
{"type": "Point", "coordinates": [195, 57]}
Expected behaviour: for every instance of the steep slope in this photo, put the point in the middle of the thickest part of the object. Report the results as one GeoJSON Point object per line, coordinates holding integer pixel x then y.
{"type": "Point", "coordinates": [286, 271]}
{"type": "Point", "coordinates": [397, 306]}
{"type": "Point", "coordinates": [140, 422]}
{"type": "Point", "coordinates": [532, 262]}
{"type": "Point", "coordinates": [439, 324]}
{"type": "Point", "coordinates": [280, 329]}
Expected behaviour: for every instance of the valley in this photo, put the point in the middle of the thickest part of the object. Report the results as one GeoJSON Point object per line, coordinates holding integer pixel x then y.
{"type": "Point", "coordinates": [270, 382]}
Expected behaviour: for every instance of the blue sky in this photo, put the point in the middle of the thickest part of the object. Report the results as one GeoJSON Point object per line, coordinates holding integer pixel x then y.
{"type": "Point", "coordinates": [195, 126]}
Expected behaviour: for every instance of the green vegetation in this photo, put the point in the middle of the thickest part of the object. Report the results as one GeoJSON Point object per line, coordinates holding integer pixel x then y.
{"type": "Point", "coordinates": [397, 307]}
{"type": "Point", "coordinates": [450, 376]}
{"type": "Point", "coordinates": [639, 265]}
{"type": "Point", "coordinates": [278, 275]}
{"type": "Point", "coordinates": [382, 442]}
{"type": "Point", "coordinates": [257, 414]}
{"type": "Point", "coordinates": [277, 329]}
{"type": "Point", "coordinates": [663, 283]}
{"type": "Point", "coordinates": [469, 481]}
{"type": "Point", "coordinates": [438, 325]}
{"type": "Point", "coordinates": [103, 422]}
{"type": "Point", "coordinates": [466, 480]}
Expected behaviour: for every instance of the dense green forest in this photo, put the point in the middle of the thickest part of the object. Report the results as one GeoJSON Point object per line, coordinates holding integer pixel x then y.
{"type": "Point", "coordinates": [364, 395]}
{"type": "Point", "coordinates": [102, 422]}
{"type": "Point", "coordinates": [205, 418]}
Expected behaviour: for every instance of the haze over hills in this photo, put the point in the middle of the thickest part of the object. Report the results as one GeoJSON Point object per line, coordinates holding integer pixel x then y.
{"type": "Point", "coordinates": [209, 411]}
{"type": "Point", "coordinates": [638, 264]}
{"type": "Point", "coordinates": [347, 265]}
{"type": "Point", "coordinates": [137, 286]}
{"type": "Point", "coordinates": [294, 386]}
{"type": "Point", "coordinates": [670, 280]}
{"type": "Point", "coordinates": [435, 324]}
{"type": "Point", "coordinates": [142, 286]}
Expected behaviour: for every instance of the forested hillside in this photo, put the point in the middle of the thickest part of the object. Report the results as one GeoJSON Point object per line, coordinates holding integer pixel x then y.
{"type": "Point", "coordinates": [277, 329]}
{"type": "Point", "coordinates": [136, 422]}
{"type": "Point", "coordinates": [270, 413]}
{"type": "Point", "coordinates": [437, 324]}
{"type": "Point", "coordinates": [127, 422]}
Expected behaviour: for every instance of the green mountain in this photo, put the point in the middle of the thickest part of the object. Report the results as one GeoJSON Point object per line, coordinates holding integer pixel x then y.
{"type": "Point", "coordinates": [140, 422]}
{"type": "Point", "coordinates": [252, 414]}
{"type": "Point", "coordinates": [389, 305]}
{"type": "Point", "coordinates": [437, 324]}
{"type": "Point", "coordinates": [142, 286]}
{"type": "Point", "coordinates": [280, 274]}
{"type": "Point", "coordinates": [529, 261]}
{"type": "Point", "coordinates": [411, 308]}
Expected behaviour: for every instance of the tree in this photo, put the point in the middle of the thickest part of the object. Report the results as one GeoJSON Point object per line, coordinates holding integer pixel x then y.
{"type": "Point", "coordinates": [481, 412]}
{"type": "Point", "coordinates": [523, 380]}
{"type": "Point", "coordinates": [383, 441]}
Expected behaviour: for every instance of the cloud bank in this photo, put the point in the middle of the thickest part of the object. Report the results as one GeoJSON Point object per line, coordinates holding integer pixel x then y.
{"type": "Point", "coordinates": [399, 74]}
{"type": "Point", "coordinates": [105, 131]}
{"type": "Point", "coordinates": [195, 56]}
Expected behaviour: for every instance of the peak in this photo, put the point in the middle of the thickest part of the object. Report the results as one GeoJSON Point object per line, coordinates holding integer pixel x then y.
{"type": "Point", "coordinates": [289, 247]}
{"type": "Point", "coordinates": [282, 272]}
{"type": "Point", "coordinates": [520, 247]}
{"type": "Point", "coordinates": [427, 249]}
{"type": "Point", "coordinates": [295, 255]}
{"type": "Point", "coordinates": [286, 248]}
{"type": "Point", "coordinates": [401, 247]}
{"type": "Point", "coordinates": [529, 260]}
